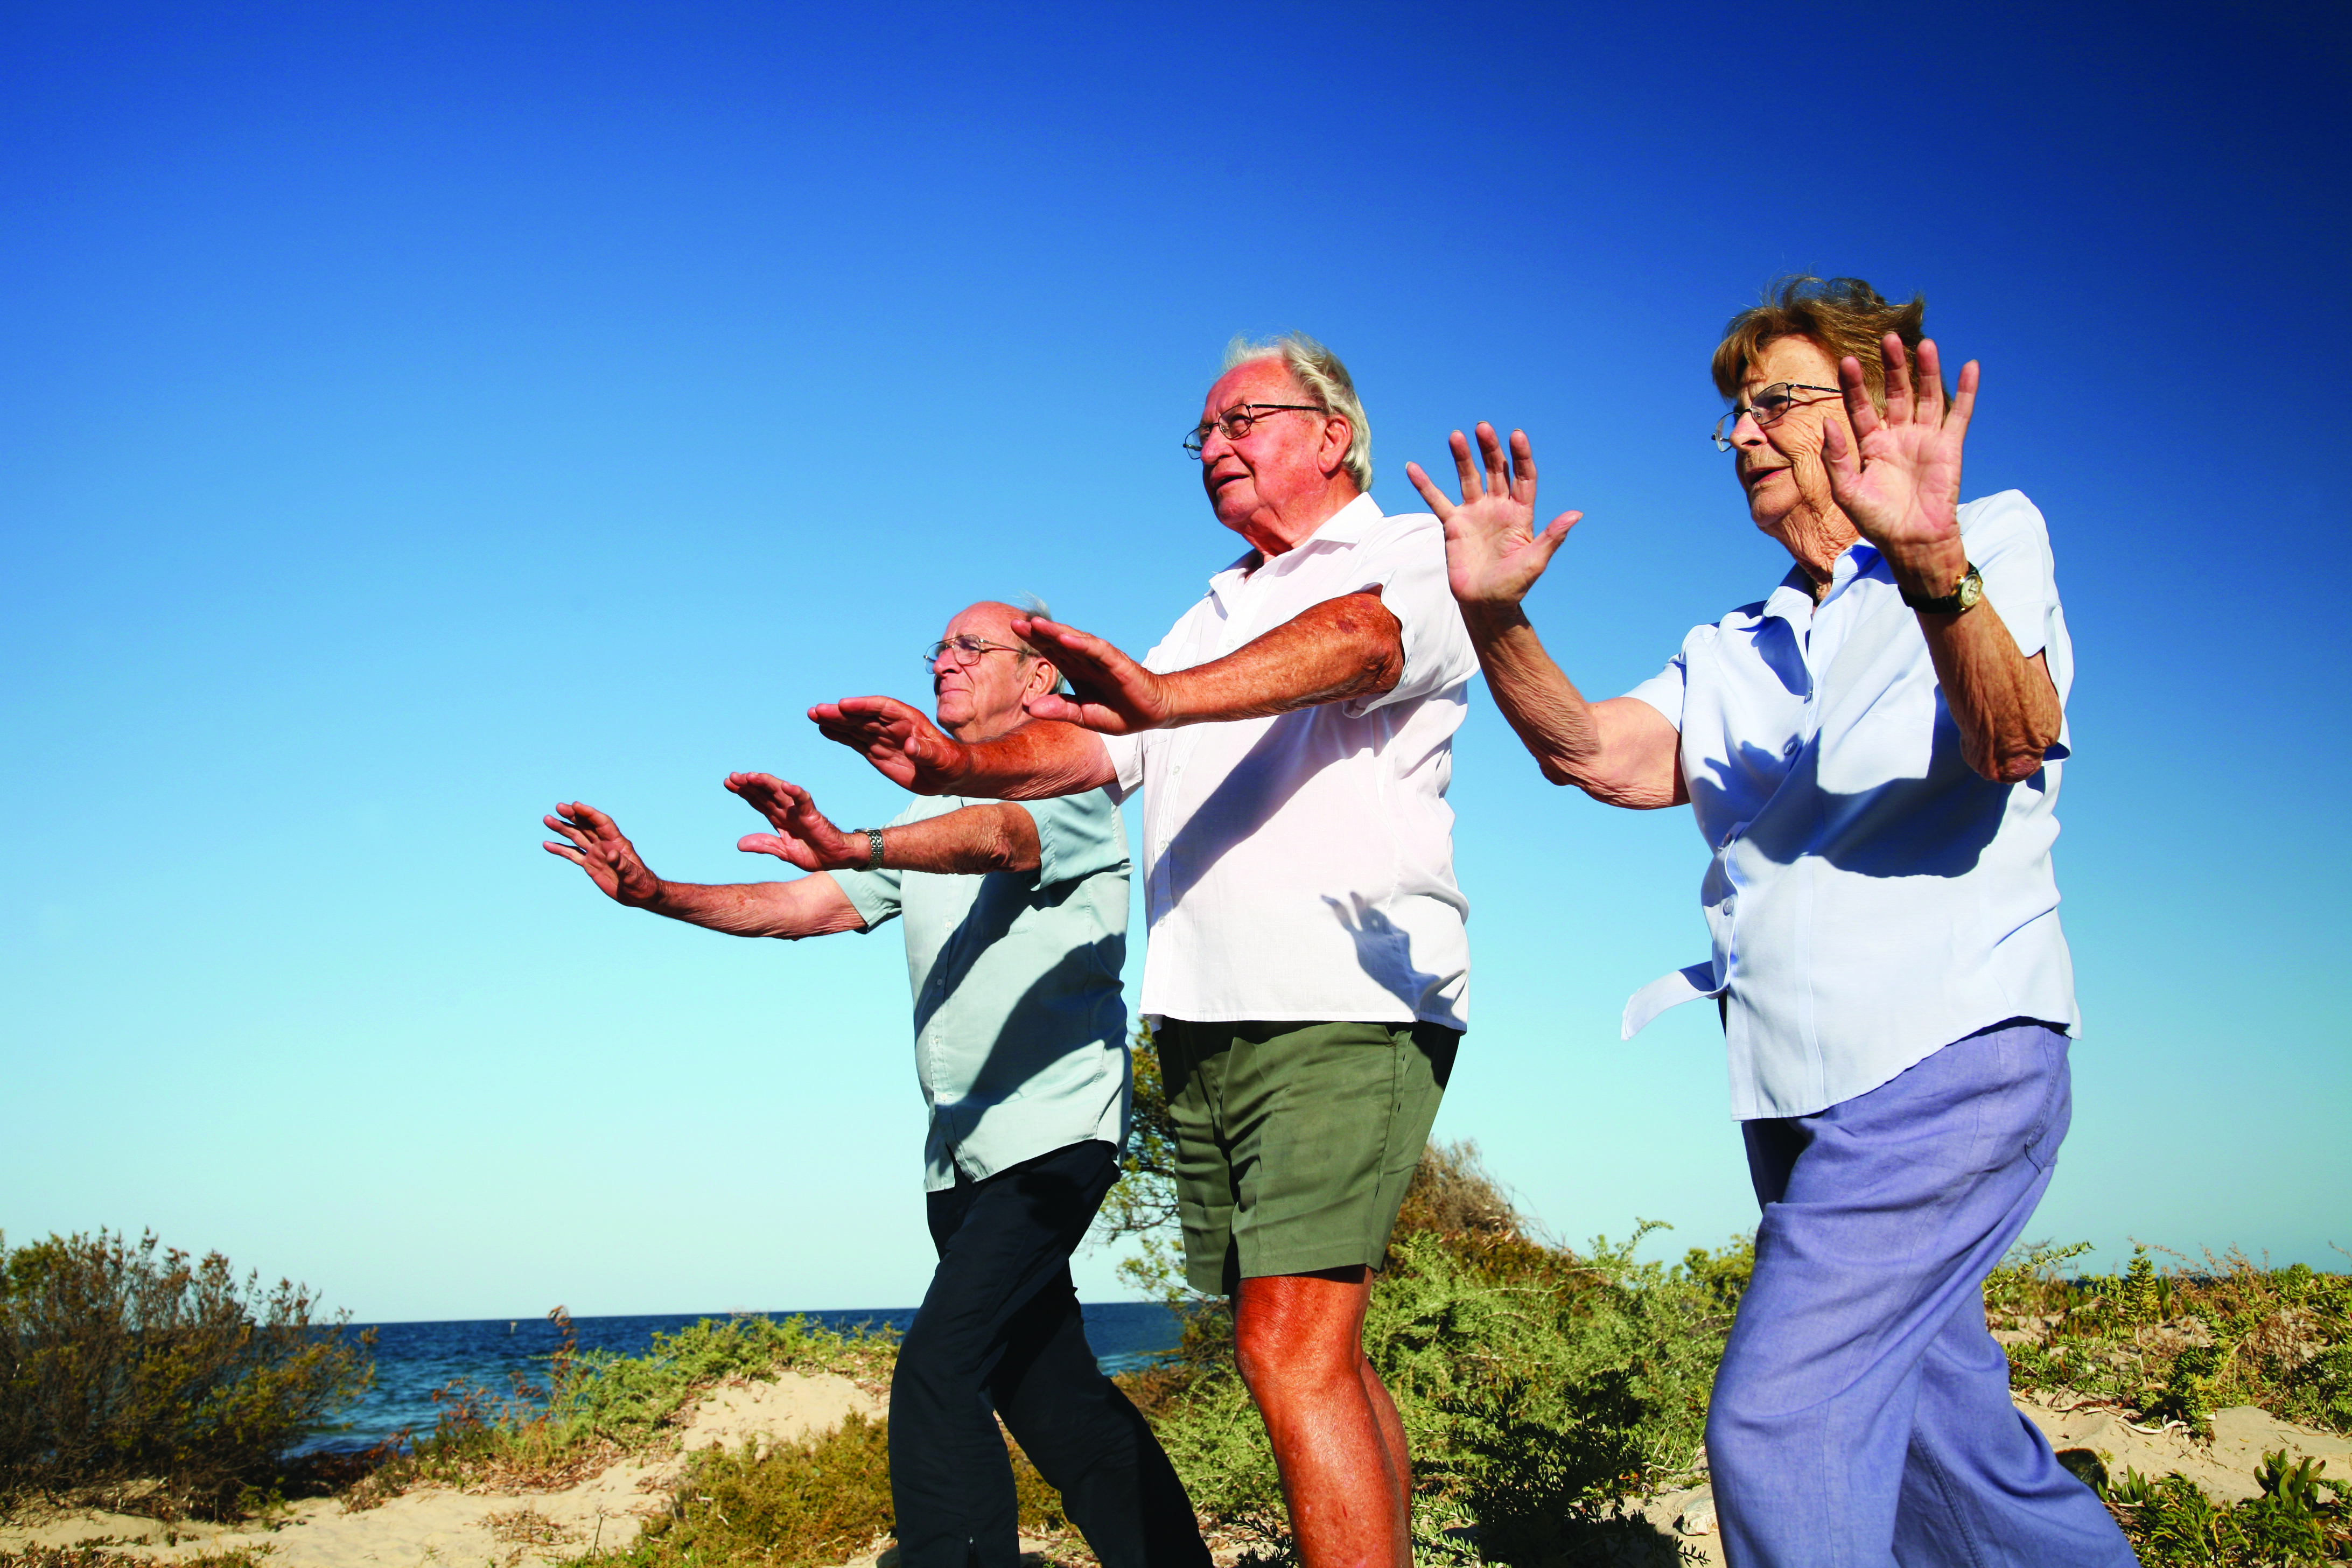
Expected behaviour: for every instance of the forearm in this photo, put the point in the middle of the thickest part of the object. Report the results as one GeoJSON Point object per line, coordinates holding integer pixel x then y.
{"type": "Point", "coordinates": [976, 840]}
{"type": "Point", "coordinates": [1344, 647]}
{"type": "Point", "coordinates": [2003, 702]}
{"type": "Point", "coordinates": [809, 906]}
{"type": "Point", "coordinates": [1611, 754]}
{"type": "Point", "coordinates": [1037, 760]}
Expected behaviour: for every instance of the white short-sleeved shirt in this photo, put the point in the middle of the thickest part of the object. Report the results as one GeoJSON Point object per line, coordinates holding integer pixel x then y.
{"type": "Point", "coordinates": [1301, 867]}
{"type": "Point", "coordinates": [1872, 898]}
{"type": "Point", "coordinates": [1020, 1028]}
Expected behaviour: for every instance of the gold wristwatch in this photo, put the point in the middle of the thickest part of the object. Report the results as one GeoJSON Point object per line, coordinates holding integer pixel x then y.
{"type": "Point", "coordinates": [1963, 596]}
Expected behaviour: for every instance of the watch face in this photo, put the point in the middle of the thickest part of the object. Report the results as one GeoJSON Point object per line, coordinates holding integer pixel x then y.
{"type": "Point", "coordinates": [1971, 589]}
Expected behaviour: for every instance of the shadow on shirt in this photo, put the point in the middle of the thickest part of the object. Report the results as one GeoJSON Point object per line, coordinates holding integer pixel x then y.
{"type": "Point", "coordinates": [1067, 1003]}
{"type": "Point", "coordinates": [1385, 951]}
{"type": "Point", "coordinates": [1936, 826]}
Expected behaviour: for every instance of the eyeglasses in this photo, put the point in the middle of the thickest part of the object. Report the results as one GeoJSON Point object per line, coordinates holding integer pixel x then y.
{"type": "Point", "coordinates": [1766, 406]}
{"type": "Point", "coordinates": [967, 649]}
{"type": "Point", "coordinates": [1235, 422]}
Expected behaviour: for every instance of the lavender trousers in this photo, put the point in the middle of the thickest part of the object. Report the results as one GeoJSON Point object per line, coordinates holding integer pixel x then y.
{"type": "Point", "coordinates": [1862, 1414]}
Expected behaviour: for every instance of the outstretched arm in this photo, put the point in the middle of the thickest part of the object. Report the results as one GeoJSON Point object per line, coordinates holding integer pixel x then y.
{"type": "Point", "coordinates": [976, 840]}
{"type": "Point", "coordinates": [1621, 752]}
{"type": "Point", "coordinates": [1349, 647]}
{"type": "Point", "coordinates": [1899, 481]}
{"type": "Point", "coordinates": [1034, 761]}
{"type": "Point", "coordinates": [810, 906]}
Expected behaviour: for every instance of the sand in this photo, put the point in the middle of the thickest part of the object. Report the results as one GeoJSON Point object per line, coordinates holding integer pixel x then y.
{"type": "Point", "coordinates": [451, 1529]}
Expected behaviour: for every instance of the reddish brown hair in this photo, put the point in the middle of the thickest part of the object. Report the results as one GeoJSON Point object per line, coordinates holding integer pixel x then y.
{"type": "Point", "coordinates": [1845, 316]}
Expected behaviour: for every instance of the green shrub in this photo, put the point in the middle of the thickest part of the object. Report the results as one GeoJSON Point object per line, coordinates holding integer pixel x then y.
{"type": "Point", "coordinates": [2298, 1519]}
{"type": "Point", "coordinates": [172, 1385]}
{"type": "Point", "coordinates": [2176, 1342]}
{"type": "Point", "coordinates": [796, 1505]}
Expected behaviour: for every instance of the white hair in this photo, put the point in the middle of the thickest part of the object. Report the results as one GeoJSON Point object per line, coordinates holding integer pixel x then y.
{"type": "Point", "coordinates": [1319, 375]}
{"type": "Point", "coordinates": [1032, 606]}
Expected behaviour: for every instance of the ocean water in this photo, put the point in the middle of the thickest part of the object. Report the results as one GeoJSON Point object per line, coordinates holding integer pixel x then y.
{"type": "Point", "coordinates": [413, 1360]}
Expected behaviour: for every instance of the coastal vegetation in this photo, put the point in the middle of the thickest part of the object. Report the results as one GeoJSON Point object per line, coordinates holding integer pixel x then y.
{"type": "Point", "coordinates": [137, 1377]}
{"type": "Point", "coordinates": [1545, 1390]}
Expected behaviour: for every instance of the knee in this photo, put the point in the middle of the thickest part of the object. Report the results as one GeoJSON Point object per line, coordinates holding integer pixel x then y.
{"type": "Point", "coordinates": [1279, 1364]}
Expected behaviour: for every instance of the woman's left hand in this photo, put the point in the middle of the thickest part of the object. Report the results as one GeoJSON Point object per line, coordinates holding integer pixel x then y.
{"type": "Point", "coordinates": [1902, 486]}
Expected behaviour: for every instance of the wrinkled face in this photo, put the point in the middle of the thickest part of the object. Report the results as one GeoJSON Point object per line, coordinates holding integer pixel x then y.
{"type": "Point", "coordinates": [1779, 464]}
{"type": "Point", "coordinates": [982, 699]}
{"type": "Point", "coordinates": [1284, 464]}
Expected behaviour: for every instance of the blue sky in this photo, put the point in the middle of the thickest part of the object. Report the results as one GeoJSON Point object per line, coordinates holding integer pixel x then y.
{"type": "Point", "coordinates": [417, 416]}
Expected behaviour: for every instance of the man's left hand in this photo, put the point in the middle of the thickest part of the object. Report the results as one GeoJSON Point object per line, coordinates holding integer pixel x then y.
{"type": "Point", "coordinates": [1902, 488]}
{"type": "Point", "coordinates": [803, 835]}
{"type": "Point", "coordinates": [1115, 695]}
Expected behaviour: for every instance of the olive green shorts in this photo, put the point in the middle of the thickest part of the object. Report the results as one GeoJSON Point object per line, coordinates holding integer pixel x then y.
{"type": "Point", "coordinates": [1294, 1142]}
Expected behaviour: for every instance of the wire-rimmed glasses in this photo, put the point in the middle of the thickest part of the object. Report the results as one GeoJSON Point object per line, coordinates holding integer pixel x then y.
{"type": "Point", "coordinates": [1768, 403]}
{"type": "Point", "coordinates": [967, 651]}
{"type": "Point", "coordinates": [1235, 422]}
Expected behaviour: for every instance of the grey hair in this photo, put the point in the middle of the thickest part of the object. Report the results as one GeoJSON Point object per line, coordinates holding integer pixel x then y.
{"type": "Point", "coordinates": [1321, 376]}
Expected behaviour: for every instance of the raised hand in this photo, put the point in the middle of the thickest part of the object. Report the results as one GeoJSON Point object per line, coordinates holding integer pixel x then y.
{"type": "Point", "coordinates": [1493, 553]}
{"type": "Point", "coordinates": [803, 835]}
{"type": "Point", "coordinates": [1116, 696]}
{"type": "Point", "coordinates": [597, 848]}
{"type": "Point", "coordinates": [905, 747]}
{"type": "Point", "coordinates": [1902, 487]}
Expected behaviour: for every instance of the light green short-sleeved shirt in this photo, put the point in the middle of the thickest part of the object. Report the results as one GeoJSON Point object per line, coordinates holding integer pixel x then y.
{"type": "Point", "coordinates": [1020, 1029]}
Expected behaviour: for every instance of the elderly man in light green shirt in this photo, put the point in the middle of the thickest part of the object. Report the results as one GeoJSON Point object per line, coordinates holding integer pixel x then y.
{"type": "Point", "coordinates": [1015, 921]}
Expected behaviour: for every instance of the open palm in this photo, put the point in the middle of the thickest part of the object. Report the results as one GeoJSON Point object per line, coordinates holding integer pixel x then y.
{"type": "Point", "coordinates": [1899, 479]}
{"type": "Point", "coordinates": [1492, 552]}
{"type": "Point", "coordinates": [803, 835]}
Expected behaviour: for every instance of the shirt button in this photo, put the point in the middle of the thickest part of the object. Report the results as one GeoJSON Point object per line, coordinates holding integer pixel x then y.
{"type": "Point", "coordinates": [1790, 749]}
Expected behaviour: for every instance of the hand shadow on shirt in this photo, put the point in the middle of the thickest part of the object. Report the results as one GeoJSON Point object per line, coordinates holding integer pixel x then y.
{"type": "Point", "coordinates": [1077, 1002]}
{"type": "Point", "coordinates": [1936, 825]}
{"type": "Point", "coordinates": [1385, 951]}
{"type": "Point", "coordinates": [1003, 897]}
{"type": "Point", "coordinates": [1246, 798]}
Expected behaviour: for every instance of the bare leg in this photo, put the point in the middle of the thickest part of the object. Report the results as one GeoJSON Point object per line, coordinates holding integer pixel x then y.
{"type": "Point", "coordinates": [1337, 1440]}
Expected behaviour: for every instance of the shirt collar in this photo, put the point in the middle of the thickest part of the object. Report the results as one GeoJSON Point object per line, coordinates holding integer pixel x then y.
{"type": "Point", "coordinates": [1347, 526]}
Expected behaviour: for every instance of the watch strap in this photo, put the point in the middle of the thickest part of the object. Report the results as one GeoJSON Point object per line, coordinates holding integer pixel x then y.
{"type": "Point", "coordinates": [873, 847]}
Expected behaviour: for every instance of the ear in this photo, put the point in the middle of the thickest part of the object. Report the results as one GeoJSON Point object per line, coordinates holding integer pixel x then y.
{"type": "Point", "coordinates": [1043, 677]}
{"type": "Point", "coordinates": [1339, 435]}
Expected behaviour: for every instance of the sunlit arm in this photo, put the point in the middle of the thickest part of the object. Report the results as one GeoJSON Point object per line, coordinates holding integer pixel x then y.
{"type": "Point", "coordinates": [2003, 702]}
{"type": "Point", "coordinates": [1621, 752]}
{"type": "Point", "coordinates": [1349, 647]}
{"type": "Point", "coordinates": [807, 906]}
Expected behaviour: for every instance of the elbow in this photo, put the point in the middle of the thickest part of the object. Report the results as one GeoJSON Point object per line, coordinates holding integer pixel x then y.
{"type": "Point", "coordinates": [2009, 761]}
{"type": "Point", "coordinates": [1008, 852]}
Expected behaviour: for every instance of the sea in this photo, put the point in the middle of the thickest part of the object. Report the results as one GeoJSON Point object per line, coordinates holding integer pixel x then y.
{"type": "Point", "coordinates": [413, 1360]}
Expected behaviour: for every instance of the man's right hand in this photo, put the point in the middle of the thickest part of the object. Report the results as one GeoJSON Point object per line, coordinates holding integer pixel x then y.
{"type": "Point", "coordinates": [1493, 553]}
{"type": "Point", "coordinates": [597, 848]}
{"type": "Point", "coordinates": [905, 747]}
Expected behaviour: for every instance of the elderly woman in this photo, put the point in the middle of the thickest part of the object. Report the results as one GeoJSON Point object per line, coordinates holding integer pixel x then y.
{"type": "Point", "coordinates": [1871, 752]}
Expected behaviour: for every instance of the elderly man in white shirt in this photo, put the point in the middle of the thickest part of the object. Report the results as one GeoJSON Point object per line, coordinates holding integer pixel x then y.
{"type": "Point", "coordinates": [1872, 753]}
{"type": "Point", "coordinates": [1307, 970]}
